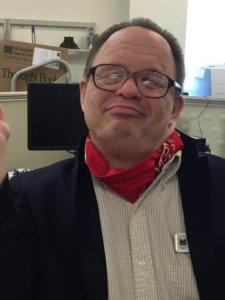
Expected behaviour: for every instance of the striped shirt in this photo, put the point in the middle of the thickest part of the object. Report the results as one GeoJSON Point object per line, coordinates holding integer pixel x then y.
{"type": "Point", "coordinates": [139, 241]}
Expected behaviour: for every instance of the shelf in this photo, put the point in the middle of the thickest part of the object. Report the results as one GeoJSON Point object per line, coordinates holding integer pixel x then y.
{"type": "Point", "coordinates": [78, 52]}
{"type": "Point", "coordinates": [9, 23]}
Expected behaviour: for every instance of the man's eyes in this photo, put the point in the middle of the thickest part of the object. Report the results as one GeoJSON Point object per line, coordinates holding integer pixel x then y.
{"type": "Point", "coordinates": [152, 81]}
{"type": "Point", "coordinates": [114, 75]}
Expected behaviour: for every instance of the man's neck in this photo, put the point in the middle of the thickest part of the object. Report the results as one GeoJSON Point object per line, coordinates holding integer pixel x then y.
{"type": "Point", "coordinates": [123, 157]}
{"type": "Point", "coordinates": [124, 154]}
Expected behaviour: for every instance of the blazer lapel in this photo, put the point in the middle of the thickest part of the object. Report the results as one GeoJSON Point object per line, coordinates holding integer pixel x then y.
{"type": "Point", "coordinates": [197, 200]}
{"type": "Point", "coordinates": [89, 234]}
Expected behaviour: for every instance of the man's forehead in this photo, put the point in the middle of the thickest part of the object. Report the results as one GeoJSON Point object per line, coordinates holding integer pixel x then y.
{"type": "Point", "coordinates": [137, 33]}
{"type": "Point", "coordinates": [137, 41]}
{"type": "Point", "coordinates": [136, 38]}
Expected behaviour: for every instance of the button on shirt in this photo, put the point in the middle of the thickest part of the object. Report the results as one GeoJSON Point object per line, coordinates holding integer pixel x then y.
{"type": "Point", "coordinates": [141, 260]}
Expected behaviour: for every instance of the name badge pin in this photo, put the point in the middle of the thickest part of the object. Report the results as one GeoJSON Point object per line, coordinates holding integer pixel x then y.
{"type": "Point", "coordinates": [181, 242]}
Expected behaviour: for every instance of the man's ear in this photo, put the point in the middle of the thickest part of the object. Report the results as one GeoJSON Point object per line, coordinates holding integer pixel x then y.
{"type": "Point", "coordinates": [178, 106]}
{"type": "Point", "coordinates": [83, 86]}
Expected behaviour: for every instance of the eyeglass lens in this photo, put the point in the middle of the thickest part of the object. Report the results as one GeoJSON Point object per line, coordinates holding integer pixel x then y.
{"type": "Point", "coordinates": [112, 77]}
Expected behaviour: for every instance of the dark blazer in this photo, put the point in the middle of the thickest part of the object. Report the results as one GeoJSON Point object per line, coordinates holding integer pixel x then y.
{"type": "Point", "coordinates": [51, 244]}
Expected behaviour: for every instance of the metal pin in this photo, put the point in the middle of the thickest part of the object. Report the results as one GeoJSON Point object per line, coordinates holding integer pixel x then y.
{"type": "Point", "coordinates": [181, 242]}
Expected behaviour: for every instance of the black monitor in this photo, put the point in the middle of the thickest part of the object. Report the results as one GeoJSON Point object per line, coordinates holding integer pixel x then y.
{"type": "Point", "coordinates": [55, 118]}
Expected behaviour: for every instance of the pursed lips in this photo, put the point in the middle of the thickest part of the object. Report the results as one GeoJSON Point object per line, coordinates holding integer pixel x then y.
{"type": "Point", "coordinates": [121, 109]}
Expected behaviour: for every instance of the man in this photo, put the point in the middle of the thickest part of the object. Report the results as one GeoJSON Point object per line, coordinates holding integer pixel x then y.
{"type": "Point", "coordinates": [138, 214]}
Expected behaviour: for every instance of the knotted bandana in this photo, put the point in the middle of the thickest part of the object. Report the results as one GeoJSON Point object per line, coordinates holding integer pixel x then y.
{"type": "Point", "coordinates": [130, 183]}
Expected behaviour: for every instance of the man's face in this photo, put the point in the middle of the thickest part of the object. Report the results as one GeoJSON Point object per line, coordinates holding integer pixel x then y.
{"type": "Point", "coordinates": [125, 117]}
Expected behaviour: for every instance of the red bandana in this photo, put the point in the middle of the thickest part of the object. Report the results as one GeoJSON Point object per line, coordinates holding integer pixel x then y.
{"type": "Point", "coordinates": [130, 183]}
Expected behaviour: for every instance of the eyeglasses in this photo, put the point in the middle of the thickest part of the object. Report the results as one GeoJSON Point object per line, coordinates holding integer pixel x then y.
{"type": "Point", "coordinates": [150, 83]}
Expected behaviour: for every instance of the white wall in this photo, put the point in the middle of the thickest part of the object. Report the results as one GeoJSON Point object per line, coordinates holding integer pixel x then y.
{"type": "Point", "coordinates": [171, 15]}
{"type": "Point", "coordinates": [102, 12]}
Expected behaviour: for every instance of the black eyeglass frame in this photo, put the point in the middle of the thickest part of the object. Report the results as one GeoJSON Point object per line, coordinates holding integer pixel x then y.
{"type": "Point", "coordinates": [171, 82]}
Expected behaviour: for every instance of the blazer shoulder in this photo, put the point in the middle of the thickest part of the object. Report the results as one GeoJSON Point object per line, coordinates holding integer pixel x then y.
{"type": "Point", "coordinates": [54, 172]}
{"type": "Point", "coordinates": [216, 162]}
{"type": "Point", "coordinates": [217, 172]}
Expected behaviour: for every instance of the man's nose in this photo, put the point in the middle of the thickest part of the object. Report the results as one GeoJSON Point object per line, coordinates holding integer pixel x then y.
{"type": "Point", "coordinates": [129, 89]}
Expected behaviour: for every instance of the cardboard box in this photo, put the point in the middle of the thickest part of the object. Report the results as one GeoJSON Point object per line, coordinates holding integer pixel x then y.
{"type": "Point", "coordinates": [15, 56]}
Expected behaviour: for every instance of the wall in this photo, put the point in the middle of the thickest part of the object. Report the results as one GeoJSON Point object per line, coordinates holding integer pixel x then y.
{"type": "Point", "coordinates": [171, 15]}
{"type": "Point", "coordinates": [102, 12]}
{"type": "Point", "coordinates": [205, 117]}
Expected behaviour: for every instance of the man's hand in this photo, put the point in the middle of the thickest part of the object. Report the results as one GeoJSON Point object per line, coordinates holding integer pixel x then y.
{"type": "Point", "coordinates": [4, 135]}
